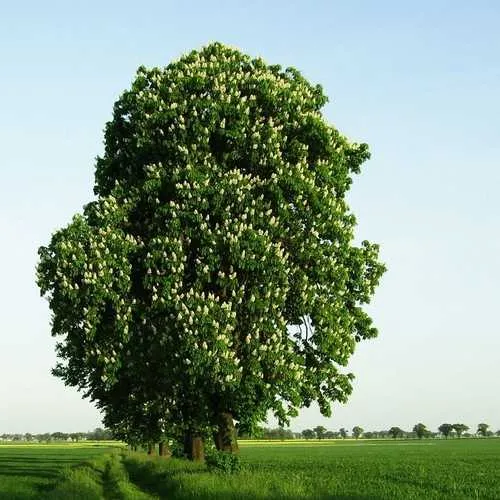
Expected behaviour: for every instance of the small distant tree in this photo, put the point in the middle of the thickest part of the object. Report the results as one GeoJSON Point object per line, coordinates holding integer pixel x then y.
{"type": "Point", "coordinates": [343, 433]}
{"type": "Point", "coordinates": [100, 434]}
{"type": "Point", "coordinates": [482, 429]}
{"type": "Point", "coordinates": [357, 431]}
{"type": "Point", "coordinates": [395, 432]}
{"type": "Point", "coordinates": [420, 430]}
{"type": "Point", "coordinates": [332, 435]}
{"type": "Point", "coordinates": [320, 431]}
{"type": "Point", "coordinates": [445, 429]}
{"type": "Point", "coordinates": [460, 429]}
{"type": "Point", "coordinates": [59, 436]}
{"type": "Point", "coordinates": [497, 433]}
{"type": "Point", "coordinates": [308, 434]}
{"type": "Point", "coordinates": [256, 432]}
{"type": "Point", "coordinates": [77, 436]}
{"type": "Point", "coordinates": [278, 433]}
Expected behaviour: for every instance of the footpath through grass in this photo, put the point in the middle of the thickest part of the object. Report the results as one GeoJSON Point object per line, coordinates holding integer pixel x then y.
{"type": "Point", "coordinates": [428, 469]}
{"type": "Point", "coordinates": [40, 471]}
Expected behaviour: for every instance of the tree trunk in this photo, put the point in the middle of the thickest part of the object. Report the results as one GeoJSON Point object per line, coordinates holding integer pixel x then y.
{"type": "Point", "coordinates": [163, 450]}
{"type": "Point", "coordinates": [194, 447]}
{"type": "Point", "coordinates": [225, 437]}
{"type": "Point", "coordinates": [151, 448]}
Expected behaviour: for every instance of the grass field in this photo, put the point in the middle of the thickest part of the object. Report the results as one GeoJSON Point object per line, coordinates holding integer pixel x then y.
{"type": "Point", "coordinates": [428, 469]}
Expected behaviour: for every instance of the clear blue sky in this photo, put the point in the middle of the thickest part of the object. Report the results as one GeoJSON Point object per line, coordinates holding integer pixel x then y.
{"type": "Point", "coordinates": [418, 81]}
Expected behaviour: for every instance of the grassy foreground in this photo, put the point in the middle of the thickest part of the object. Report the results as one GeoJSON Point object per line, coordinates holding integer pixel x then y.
{"type": "Point", "coordinates": [433, 469]}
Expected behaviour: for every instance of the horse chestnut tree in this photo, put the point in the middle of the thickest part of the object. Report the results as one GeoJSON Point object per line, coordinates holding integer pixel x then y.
{"type": "Point", "coordinates": [215, 276]}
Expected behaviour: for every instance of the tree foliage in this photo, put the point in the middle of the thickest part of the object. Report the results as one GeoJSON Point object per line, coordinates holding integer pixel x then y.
{"type": "Point", "coordinates": [357, 431]}
{"type": "Point", "coordinates": [331, 435]}
{"type": "Point", "coordinates": [277, 433]}
{"type": "Point", "coordinates": [308, 434]}
{"type": "Point", "coordinates": [460, 429]}
{"type": "Point", "coordinates": [482, 429]}
{"type": "Point", "coordinates": [445, 429]}
{"type": "Point", "coordinates": [420, 430]}
{"type": "Point", "coordinates": [215, 272]}
{"type": "Point", "coordinates": [395, 432]}
{"type": "Point", "coordinates": [319, 430]}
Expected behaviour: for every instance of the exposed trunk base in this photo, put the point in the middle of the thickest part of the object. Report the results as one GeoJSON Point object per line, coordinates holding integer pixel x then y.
{"type": "Point", "coordinates": [194, 448]}
{"type": "Point", "coordinates": [225, 437]}
{"type": "Point", "coordinates": [151, 449]}
{"type": "Point", "coordinates": [163, 450]}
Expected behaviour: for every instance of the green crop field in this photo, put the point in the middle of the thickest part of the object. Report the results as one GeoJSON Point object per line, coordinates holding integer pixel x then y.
{"type": "Point", "coordinates": [427, 469]}
{"type": "Point", "coordinates": [32, 471]}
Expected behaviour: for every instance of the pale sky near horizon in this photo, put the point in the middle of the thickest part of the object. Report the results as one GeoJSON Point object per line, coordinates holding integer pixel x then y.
{"type": "Point", "coordinates": [418, 81]}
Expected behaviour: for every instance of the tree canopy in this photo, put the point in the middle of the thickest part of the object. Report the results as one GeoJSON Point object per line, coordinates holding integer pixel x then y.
{"type": "Point", "coordinates": [482, 429]}
{"type": "Point", "coordinates": [308, 434]}
{"type": "Point", "coordinates": [445, 429]}
{"type": "Point", "coordinates": [357, 431]}
{"type": "Point", "coordinates": [420, 430]}
{"type": "Point", "coordinates": [395, 432]}
{"type": "Point", "coordinates": [215, 276]}
{"type": "Point", "coordinates": [460, 429]}
{"type": "Point", "coordinates": [319, 430]}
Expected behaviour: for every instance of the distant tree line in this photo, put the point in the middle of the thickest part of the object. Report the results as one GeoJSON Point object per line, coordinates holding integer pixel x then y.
{"type": "Point", "coordinates": [419, 431]}
{"type": "Point", "coordinates": [95, 435]}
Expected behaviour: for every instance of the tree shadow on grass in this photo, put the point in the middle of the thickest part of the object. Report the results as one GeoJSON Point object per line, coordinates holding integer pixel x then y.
{"type": "Point", "coordinates": [33, 468]}
{"type": "Point", "coordinates": [24, 468]}
{"type": "Point", "coordinates": [166, 485]}
{"type": "Point", "coordinates": [41, 480]}
{"type": "Point", "coordinates": [43, 476]}
{"type": "Point", "coordinates": [37, 460]}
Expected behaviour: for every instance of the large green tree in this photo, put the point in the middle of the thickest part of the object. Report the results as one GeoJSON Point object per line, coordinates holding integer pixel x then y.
{"type": "Point", "coordinates": [215, 276]}
{"type": "Point", "coordinates": [445, 429]}
{"type": "Point", "coordinates": [482, 429]}
{"type": "Point", "coordinates": [320, 431]}
{"type": "Point", "coordinates": [460, 429]}
{"type": "Point", "coordinates": [420, 430]}
{"type": "Point", "coordinates": [308, 434]}
{"type": "Point", "coordinates": [395, 432]}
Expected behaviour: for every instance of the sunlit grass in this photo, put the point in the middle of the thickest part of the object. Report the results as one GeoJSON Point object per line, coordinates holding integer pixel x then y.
{"type": "Point", "coordinates": [337, 469]}
{"type": "Point", "coordinates": [61, 444]}
{"type": "Point", "coordinates": [369, 469]}
{"type": "Point", "coordinates": [30, 471]}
